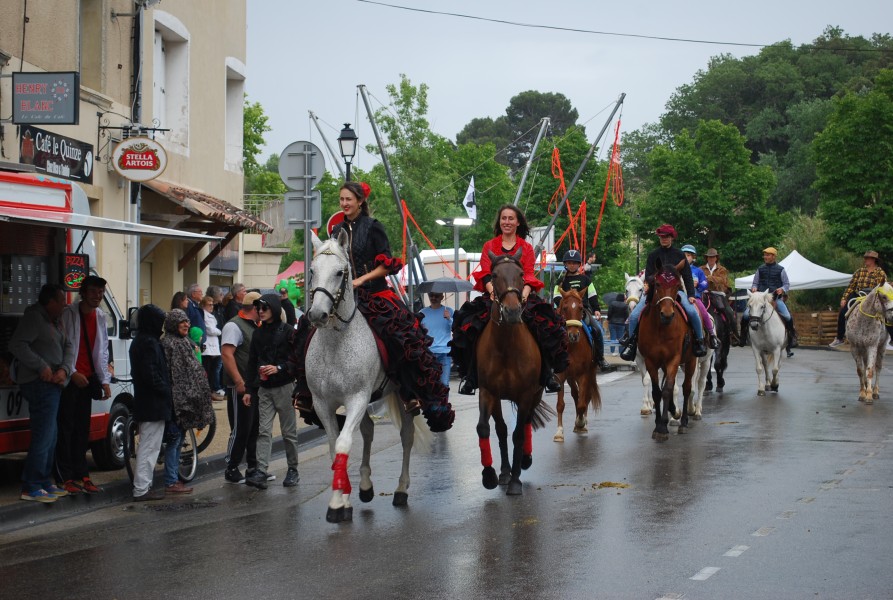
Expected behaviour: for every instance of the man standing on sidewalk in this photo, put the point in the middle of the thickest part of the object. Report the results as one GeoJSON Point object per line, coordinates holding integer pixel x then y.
{"type": "Point", "coordinates": [235, 305]}
{"type": "Point", "coordinates": [270, 385]}
{"type": "Point", "coordinates": [235, 343]}
{"type": "Point", "coordinates": [194, 308]}
{"type": "Point", "coordinates": [85, 326]}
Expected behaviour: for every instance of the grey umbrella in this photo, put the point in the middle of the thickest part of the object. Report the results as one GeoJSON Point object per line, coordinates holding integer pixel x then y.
{"type": "Point", "coordinates": [445, 285]}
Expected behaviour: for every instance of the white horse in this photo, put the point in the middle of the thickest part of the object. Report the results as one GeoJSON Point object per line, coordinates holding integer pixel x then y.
{"type": "Point", "coordinates": [634, 291]}
{"type": "Point", "coordinates": [867, 336]}
{"type": "Point", "coordinates": [344, 369]}
{"type": "Point", "coordinates": [767, 339]}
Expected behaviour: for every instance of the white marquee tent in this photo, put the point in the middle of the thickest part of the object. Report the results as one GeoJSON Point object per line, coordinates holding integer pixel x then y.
{"type": "Point", "coordinates": [803, 275]}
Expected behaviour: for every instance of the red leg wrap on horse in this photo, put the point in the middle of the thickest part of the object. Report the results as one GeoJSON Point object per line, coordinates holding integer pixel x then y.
{"type": "Point", "coordinates": [486, 456]}
{"type": "Point", "coordinates": [528, 439]}
{"type": "Point", "coordinates": [340, 481]}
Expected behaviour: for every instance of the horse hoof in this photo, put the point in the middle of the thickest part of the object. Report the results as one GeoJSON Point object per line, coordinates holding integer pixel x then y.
{"type": "Point", "coordinates": [875, 396]}
{"type": "Point", "coordinates": [514, 488]}
{"type": "Point", "coordinates": [761, 393]}
{"type": "Point", "coordinates": [580, 430]}
{"type": "Point", "coordinates": [504, 478]}
{"type": "Point", "coordinates": [335, 515]}
{"type": "Point", "coordinates": [645, 412]}
{"type": "Point", "coordinates": [558, 438]}
{"type": "Point", "coordinates": [526, 461]}
{"type": "Point", "coordinates": [682, 430]}
{"type": "Point", "coordinates": [660, 437]}
{"type": "Point", "coordinates": [696, 417]}
{"type": "Point", "coordinates": [489, 478]}
{"type": "Point", "coordinates": [400, 499]}
{"type": "Point", "coordinates": [367, 495]}
{"type": "Point", "coordinates": [774, 388]}
{"type": "Point", "coordinates": [719, 390]}
{"type": "Point", "coordinates": [708, 387]}
{"type": "Point", "coordinates": [869, 401]}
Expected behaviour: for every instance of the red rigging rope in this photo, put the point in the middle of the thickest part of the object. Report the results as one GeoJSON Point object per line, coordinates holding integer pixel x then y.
{"type": "Point", "coordinates": [408, 216]}
{"type": "Point", "coordinates": [561, 192]}
{"type": "Point", "coordinates": [613, 183]}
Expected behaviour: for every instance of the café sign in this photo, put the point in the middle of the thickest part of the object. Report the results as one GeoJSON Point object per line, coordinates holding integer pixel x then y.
{"type": "Point", "coordinates": [139, 159]}
{"type": "Point", "coordinates": [45, 98]}
{"type": "Point", "coordinates": [56, 154]}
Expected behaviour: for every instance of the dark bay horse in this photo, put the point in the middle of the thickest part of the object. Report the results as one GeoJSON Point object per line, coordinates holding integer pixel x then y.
{"type": "Point", "coordinates": [665, 344]}
{"type": "Point", "coordinates": [580, 375]}
{"type": "Point", "coordinates": [724, 333]}
{"type": "Point", "coordinates": [508, 362]}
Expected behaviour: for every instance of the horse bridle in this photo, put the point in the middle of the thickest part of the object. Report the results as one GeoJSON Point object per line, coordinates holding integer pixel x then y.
{"type": "Point", "coordinates": [498, 300]}
{"type": "Point", "coordinates": [764, 318]}
{"type": "Point", "coordinates": [339, 295]}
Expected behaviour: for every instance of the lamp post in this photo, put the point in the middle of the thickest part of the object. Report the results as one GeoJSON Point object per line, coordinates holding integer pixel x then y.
{"type": "Point", "coordinates": [347, 144]}
{"type": "Point", "coordinates": [456, 223]}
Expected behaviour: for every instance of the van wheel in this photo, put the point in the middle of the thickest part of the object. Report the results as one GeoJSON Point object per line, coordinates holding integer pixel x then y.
{"type": "Point", "coordinates": [109, 452]}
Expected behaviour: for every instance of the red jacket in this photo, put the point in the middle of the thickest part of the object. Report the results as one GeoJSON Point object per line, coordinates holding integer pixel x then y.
{"type": "Point", "coordinates": [527, 262]}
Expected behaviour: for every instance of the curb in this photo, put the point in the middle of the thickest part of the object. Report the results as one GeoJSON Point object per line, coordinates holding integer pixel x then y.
{"type": "Point", "coordinates": [23, 514]}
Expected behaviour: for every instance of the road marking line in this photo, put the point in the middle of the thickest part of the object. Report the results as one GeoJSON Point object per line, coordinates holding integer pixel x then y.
{"type": "Point", "coordinates": [763, 531]}
{"type": "Point", "coordinates": [787, 514]}
{"type": "Point", "coordinates": [705, 573]}
{"type": "Point", "coordinates": [737, 551]}
{"type": "Point", "coordinates": [807, 500]}
{"type": "Point", "coordinates": [848, 472]}
{"type": "Point", "coordinates": [830, 485]}
{"type": "Point", "coordinates": [672, 596]}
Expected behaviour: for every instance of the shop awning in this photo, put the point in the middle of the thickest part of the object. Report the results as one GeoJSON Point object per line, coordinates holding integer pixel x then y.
{"type": "Point", "coordinates": [207, 212]}
{"type": "Point", "coordinates": [66, 220]}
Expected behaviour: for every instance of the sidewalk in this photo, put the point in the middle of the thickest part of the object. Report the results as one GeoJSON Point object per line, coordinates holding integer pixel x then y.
{"type": "Point", "coordinates": [116, 485]}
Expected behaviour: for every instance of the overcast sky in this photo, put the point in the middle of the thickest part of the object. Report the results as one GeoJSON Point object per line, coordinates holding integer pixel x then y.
{"type": "Point", "coordinates": [305, 55]}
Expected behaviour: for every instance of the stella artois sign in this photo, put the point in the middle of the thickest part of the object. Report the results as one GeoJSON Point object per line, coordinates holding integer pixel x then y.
{"type": "Point", "coordinates": [139, 159]}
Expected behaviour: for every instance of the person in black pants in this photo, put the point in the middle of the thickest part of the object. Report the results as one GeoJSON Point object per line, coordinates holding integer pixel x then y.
{"type": "Point", "coordinates": [235, 342]}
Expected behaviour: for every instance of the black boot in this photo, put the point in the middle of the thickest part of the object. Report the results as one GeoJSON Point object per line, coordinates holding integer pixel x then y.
{"type": "Point", "coordinates": [714, 341]}
{"type": "Point", "coordinates": [745, 330]}
{"type": "Point", "coordinates": [699, 348]}
{"type": "Point", "coordinates": [629, 343]}
{"type": "Point", "coordinates": [792, 334]}
{"type": "Point", "coordinates": [598, 350]}
{"type": "Point", "coordinates": [469, 383]}
{"type": "Point", "coordinates": [552, 384]}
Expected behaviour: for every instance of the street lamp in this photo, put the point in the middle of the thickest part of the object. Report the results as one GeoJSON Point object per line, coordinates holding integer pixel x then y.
{"type": "Point", "coordinates": [347, 143]}
{"type": "Point", "coordinates": [456, 223]}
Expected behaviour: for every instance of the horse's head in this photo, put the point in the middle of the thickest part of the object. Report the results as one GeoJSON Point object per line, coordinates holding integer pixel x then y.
{"type": "Point", "coordinates": [331, 280]}
{"type": "Point", "coordinates": [508, 282]}
{"type": "Point", "coordinates": [571, 308]}
{"type": "Point", "coordinates": [634, 290]}
{"type": "Point", "coordinates": [760, 306]}
{"type": "Point", "coordinates": [667, 283]}
{"type": "Point", "coordinates": [885, 296]}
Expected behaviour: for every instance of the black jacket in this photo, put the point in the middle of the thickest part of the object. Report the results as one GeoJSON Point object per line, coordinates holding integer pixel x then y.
{"type": "Point", "coordinates": [270, 345]}
{"type": "Point", "coordinates": [670, 256]}
{"type": "Point", "coordinates": [618, 311]}
{"type": "Point", "coordinates": [152, 397]}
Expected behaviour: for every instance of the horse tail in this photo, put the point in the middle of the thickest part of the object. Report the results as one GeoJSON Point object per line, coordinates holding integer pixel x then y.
{"type": "Point", "coordinates": [542, 414]}
{"type": "Point", "coordinates": [423, 439]}
{"type": "Point", "coordinates": [595, 399]}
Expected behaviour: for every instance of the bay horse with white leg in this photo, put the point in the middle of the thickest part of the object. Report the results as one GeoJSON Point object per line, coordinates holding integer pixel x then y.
{"type": "Point", "coordinates": [344, 369]}
{"type": "Point", "coordinates": [866, 332]}
{"type": "Point", "coordinates": [580, 374]}
{"type": "Point", "coordinates": [508, 366]}
{"type": "Point", "coordinates": [665, 343]}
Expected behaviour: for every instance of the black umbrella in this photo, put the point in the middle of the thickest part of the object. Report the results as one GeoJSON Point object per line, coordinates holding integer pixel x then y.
{"type": "Point", "coordinates": [445, 285]}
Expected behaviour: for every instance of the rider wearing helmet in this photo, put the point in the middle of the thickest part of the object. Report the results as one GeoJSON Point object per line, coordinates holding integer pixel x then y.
{"type": "Point", "coordinates": [700, 281]}
{"type": "Point", "coordinates": [668, 255]}
{"type": "Point", "coordinates": [573, 279]}
{"type": "Point", "coordinates": [772, 276]}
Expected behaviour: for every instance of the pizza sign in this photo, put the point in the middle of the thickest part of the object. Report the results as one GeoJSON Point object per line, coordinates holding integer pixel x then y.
{"type": "Point", "coordinates": [139, 159]}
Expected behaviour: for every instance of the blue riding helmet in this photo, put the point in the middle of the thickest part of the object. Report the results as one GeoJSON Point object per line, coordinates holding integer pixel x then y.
{"type": "Point", "coordinates": [572, 256]}
{"type": "Point", "coordinates": [689, 248]}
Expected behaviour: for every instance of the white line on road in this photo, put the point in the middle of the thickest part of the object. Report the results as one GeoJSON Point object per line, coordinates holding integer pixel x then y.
{"type": "Point", "coordinates": [737, 551]}
{"type": "Point", "coordinates": [763, 531]}
{"type": "Point", "coordinates": [705, 573]}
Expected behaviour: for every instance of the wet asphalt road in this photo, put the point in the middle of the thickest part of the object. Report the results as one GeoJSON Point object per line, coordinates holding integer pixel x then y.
{"type": "Point", "coordinates": [786, 496]}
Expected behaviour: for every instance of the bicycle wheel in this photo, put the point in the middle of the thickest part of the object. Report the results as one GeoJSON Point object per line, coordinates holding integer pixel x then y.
{"type": "Point", "coordinates": [204, 437]}
{"type": "Point", "coordinates": [131, 443]}
{"type": "Point", "coordinates": [188, 456]}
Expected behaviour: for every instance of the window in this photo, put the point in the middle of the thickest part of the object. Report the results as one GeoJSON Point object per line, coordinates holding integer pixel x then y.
{"type": "Point", "coordinates": [170, 81]}
{"type": "Point", "coordinates": [91, 44]}
{"type": "Point", "coordinates": [235, 102]}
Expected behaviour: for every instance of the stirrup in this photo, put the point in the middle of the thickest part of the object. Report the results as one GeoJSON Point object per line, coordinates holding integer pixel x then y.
{"type": "Point", "coordinates": [552, 384]}
{"type": "Point", "coordinates": [628, 353]}
{"type": "Point", "coordinates": [466, 388]}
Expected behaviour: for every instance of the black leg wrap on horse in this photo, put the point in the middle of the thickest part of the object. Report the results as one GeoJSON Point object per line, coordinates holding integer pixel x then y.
{"type": "Point", "coordinates": [410, 362]}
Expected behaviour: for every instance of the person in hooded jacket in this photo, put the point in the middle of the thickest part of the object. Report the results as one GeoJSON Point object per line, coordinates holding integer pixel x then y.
{"type": "Point", "coordinates": [270, 385]}
{"type": "Point", "coordinates": [153, 403]}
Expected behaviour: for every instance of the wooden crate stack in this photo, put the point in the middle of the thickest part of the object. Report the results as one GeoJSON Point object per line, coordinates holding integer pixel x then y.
{"type": "Point", "coordinates": [816, 328]}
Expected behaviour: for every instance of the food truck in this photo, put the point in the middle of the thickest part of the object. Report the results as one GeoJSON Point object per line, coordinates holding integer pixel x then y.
{"type": "Point", "coordinates": [46, 235]}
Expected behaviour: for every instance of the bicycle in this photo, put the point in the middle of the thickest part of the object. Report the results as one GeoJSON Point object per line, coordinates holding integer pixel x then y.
{"type": "Point", "coordinates": [194, 442]}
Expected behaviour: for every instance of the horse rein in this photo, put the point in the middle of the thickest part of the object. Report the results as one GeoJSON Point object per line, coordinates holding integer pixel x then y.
{"type": "Point", "coordinates": [881, 316]}
{"type": "Point", "coordinates": [498, 300]}
{"type": "Point", "coordinates": [338, 297]}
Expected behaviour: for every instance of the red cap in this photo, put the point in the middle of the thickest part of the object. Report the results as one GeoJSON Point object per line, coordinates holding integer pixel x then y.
{"type": "Point", "coordinates": [666, 229]}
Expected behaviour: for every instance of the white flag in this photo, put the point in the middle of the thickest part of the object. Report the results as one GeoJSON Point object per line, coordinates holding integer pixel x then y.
{"type": "Point", "coordinates": [470, 206]}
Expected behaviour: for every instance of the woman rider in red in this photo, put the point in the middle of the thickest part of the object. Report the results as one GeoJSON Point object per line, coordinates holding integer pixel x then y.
{"type": "Point", "coordinates": [410, 362]}
{"type": "Point", "coordinates": [510, 231]}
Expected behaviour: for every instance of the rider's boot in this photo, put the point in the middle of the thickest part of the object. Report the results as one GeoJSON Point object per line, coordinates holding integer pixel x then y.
{"type": "Point", "coordinates": [552, 383]}
{"type": "Point", "coordinates": [598, 348]}
{"type": "Point", "coordinates": [699, 348]}
{"type": "Point", "coordinates": [629, 343]}
{"type": "Point", "coordinates": [792, 333]}
{"type": "Point", "coordinates": [468, 385]}
{"type": "Point", "coordinates": [745, 329]}
{"type": "Point", "coordinates": [714, 341]}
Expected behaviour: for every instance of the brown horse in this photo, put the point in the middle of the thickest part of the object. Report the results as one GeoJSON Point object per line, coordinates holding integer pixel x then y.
{"type": "Point", "coordinates": [508, 362]}
{"type": "Point", "coordinates": [580, 375]}
{"type": "Point", "coordinates": [665, 344]}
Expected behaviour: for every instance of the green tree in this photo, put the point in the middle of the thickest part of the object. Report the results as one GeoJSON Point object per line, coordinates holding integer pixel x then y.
{"type": "Point", "coordinates": [853, 158]}
{"type": "Point", "coordinates": [254, 126]}
{"type": "Point", "coordinates": [705, 185]}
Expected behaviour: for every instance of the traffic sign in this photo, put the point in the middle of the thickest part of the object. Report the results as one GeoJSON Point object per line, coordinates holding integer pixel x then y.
{"type": "Point", "coordinates": [301, 166]}
{"type": "Point", "coordinates": [299, 209]}
{"type": "Point", "coordinates": [338, 217]}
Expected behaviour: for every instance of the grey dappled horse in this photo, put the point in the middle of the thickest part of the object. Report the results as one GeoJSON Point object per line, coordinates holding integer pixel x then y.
{"type": "Point", "coordinates": [343, 369]}
{"type": "Point", "coordinates": [867, 334]}
{"type": "Point", "coordinates": [767, 339]}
